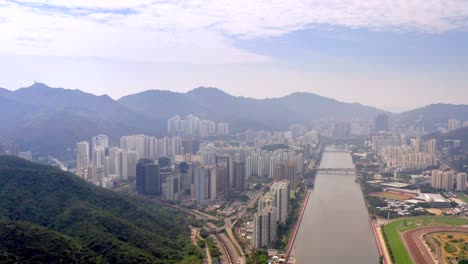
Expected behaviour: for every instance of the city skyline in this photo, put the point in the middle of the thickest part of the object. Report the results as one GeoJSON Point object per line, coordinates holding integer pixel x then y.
{"type": "Point", "coordinates": [346, 50]}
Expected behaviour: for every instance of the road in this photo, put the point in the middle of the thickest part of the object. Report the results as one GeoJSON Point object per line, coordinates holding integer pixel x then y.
{"type": "Point", "coordinates": [229, 248]}
{"type": "Point", "coordinates": [190, 212]}
{"type": "Point", "coordinates": [383, 251]}
{"type": "Point", "coordinates": [415, 244]}
{"type": "Point", "coordinates": [226, 245]}
{"type": "Point", "coordinates": [194, 236]}
{"type": "Point", "coordinates": [208, 254]}
{"type": "Point", "coordinates": [228, 227]}
{"type": "Point", "coordinates": [61, 165]}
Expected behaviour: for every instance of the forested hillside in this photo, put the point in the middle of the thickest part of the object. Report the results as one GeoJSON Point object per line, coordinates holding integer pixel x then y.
{"type": "Point", "coordinates": [50, 216]}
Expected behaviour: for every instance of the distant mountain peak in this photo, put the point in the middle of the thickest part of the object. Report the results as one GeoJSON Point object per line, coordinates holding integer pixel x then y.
{"type": "Point", "coordinates": [299, 94]}
{"type": "Point", "coordinates": [207, 90]}
{"type": "Point", "coordinates": [39, 85]}
{"type": "Point", "coordinates": [39, 88]}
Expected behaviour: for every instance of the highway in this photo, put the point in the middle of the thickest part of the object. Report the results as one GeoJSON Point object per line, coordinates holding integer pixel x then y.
{"type": "Point", "coordinates": [227, 246]}
{"type": "Point", "coordinates": [197, 214]}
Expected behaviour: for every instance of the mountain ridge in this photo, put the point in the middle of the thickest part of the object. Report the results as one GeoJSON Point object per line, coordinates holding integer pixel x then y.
{"type": "Point", "coordinates": [434, 115]}
{"type": "Point", "coordinates": [201, 88]}
{"type": "Point", "coordinates": [50, 120]}
{"type": "Point", "coordinates": [209, 101]}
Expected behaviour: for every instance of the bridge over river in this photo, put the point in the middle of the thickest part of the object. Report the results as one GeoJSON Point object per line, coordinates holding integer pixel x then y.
{"type": "Point", "coordinates": [334, 170]}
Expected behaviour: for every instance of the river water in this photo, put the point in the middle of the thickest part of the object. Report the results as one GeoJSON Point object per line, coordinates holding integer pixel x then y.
{"type": "Point", "coordinates": [335, 227]}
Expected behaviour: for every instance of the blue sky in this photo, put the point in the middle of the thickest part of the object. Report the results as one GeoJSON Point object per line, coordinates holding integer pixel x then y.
{"type": "Point", "coordinates": [395, 55]}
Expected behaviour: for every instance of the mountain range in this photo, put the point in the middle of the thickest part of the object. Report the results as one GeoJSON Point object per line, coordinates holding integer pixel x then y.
{"type": "Point", "coordinates": [49, 120]}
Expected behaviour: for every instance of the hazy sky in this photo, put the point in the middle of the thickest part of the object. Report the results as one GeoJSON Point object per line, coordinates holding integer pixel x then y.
{"type": "Point", "coordinates": [395, 55]}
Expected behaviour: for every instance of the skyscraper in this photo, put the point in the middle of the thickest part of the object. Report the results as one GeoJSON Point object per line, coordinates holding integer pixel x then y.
{"type": "Point", "coordinates": [222, 180]}
{"type": "Point", "coordinates": [100, 141]}
{"type": "Point", "coordinates": [442, 180]}
{"type": "Point", "coordinates": [113, 160]}
{"type": "Point", "coordinates": [447, 180]}
{"type": "Point", "coordinates": [264, 227]}
{"type": "Point", "coordinates": [436, 179]}
{"type": "Point", "coordinates": [212, 185]}
{"type": "Point", "coordinates": [381, 123]}
{"type": "Point", "coordinates": [141, 175]}
{"type": "Point", "coordinates": [122, 165]}
{"type": "Point", "coordinates": [280, 191]}
{"type": "Point", "coordinates": [186, 175]}
{"type": "Point", "coordinates": [291, 174]}
{"type": "Point", "coordinates": [223, 129]}
{"type": "Point", "coordinates": [153, 179]}
{"type": "Point", "coordinates": [132, 160]}
{"type": "Point", "coordinates": [416, 143]}
{"type": "Point", "coordinates": [239, 176]}
{"type": "Point", "coordinates": [461, 181]}
{"type": "Point", "coordinates": [82, 158]}
{"type": "Point", "coordinates": [431, 147]}
{"type": "Point", "coordinates": [453, 124]}
{"type": "Point", "coordinates": [173, 125]}
{"type": "Point", "coordinates": [97, 156]}
{"type": "Point", "coordinates": [342, 130]}
{"type": "Point", "coordinates": [173, 187]}
{"type": "Point", "coordinates": [95, 174]}
{"type": "Point", "coordinates": [201, 180]}
{"type": "Point", "coordinates": [147, 177]}
{"type": "Point", "coordinates": [226, 161]}
{"type": "Point", "coordinates": [279, 172]}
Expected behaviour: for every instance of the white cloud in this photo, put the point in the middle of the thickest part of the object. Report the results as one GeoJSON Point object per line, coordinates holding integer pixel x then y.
{"type": "Point", "coordinates": [198, 31]}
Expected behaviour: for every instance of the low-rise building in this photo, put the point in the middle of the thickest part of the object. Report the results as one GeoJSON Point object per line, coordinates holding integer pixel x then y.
{"type": "Point", "coordinates": [436, 200]}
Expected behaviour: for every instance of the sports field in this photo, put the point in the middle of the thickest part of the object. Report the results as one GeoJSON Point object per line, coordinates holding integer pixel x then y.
{"type": "Point", "coordinates": [392, 232]}
{"type": "Point", "coordinates": [452, 245]}
{"type": "Point", "coordinates": [392, 195]}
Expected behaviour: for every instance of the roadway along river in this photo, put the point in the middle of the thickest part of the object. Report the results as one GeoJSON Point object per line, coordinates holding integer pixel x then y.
{"type": "Point", "coordinates": [335, 227]}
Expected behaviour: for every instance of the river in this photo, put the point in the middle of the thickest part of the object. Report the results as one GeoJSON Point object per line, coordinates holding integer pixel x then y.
{"type": "Point", "coordinates": [335, 228]}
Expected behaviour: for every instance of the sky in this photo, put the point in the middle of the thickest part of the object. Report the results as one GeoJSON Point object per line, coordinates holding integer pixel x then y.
{"type": "Point", "coordinates": [395, 55]}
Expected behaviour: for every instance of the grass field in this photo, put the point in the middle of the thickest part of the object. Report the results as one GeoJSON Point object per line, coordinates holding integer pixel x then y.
{"type": "Point", "coordinates": [393, 229]}
{"type": "Point", "coordinates": [391, 195]}
{"type": "Point", "coordinates": [463, 197]}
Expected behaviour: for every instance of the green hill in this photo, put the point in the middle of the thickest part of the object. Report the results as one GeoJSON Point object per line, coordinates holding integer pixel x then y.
{"type": "Point", "coordinates": [50, 216]}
